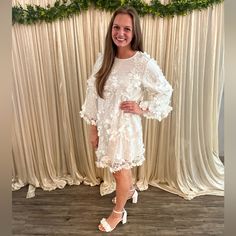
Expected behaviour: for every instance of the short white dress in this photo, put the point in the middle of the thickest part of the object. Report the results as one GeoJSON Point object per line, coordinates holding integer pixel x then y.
{"type": "Point", "coordinates": [140, 79]}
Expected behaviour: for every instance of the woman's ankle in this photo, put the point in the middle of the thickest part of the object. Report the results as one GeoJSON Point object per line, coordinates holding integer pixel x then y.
{"type": "Point", "coordinates": [132, 188]}
{"type": "Point", "coordinates": [118, 210]}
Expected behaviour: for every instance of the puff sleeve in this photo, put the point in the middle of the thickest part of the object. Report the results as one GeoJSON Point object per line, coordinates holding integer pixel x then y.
{"type": "Point", "coordinates": [159, 92]}
{"type": "Point", "coordinates": [89, 108]}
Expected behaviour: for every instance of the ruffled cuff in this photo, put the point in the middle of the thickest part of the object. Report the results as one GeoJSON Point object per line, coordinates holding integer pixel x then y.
{"type": "Point", "coordinates": [87, 118]}
{"type": "Point", "coordinates": [155, 110]}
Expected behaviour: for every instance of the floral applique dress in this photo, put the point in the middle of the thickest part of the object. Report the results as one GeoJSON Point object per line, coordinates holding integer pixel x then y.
{"type": "Point", "coordinates": [120, 134]}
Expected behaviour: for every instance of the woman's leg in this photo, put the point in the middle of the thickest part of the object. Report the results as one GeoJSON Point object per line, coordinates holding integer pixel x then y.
{"type": "Point", "coordinates": [123, 184]}
{"type": "Point", "coordinates": [132, 188]}
{"type": "Point", "coordinates": [123, 180]}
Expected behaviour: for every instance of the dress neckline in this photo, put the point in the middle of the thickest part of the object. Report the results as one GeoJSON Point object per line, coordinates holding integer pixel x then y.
{"type": "Point", "coordinates": [125, 59]}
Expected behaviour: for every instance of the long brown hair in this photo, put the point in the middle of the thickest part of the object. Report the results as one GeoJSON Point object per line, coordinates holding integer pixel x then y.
{"type": "Point", "coordinates": [111, 48]}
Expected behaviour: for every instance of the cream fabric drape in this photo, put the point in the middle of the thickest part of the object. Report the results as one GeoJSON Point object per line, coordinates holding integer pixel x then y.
{"type": "Point", "coordinates": [51, 63]}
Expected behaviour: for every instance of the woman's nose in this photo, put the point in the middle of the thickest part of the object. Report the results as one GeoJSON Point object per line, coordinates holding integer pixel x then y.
{"type": "Point", "coordinates": [121, 32]}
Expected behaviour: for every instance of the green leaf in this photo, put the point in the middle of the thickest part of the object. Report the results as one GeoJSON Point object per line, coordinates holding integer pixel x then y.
{"type": "Point", "coordinates": [65, 8]}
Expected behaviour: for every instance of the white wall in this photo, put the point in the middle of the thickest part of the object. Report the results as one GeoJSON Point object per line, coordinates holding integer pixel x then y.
{"type": "Point", "coordinates": [221, 128]}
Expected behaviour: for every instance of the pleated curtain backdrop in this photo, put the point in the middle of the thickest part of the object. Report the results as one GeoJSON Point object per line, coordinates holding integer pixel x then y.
{"type": "Point", "coordinates": [51, 63]}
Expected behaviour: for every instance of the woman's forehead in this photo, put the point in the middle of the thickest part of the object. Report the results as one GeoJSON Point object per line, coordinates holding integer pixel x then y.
{"type": "Point", "coordinates": [123, 20]}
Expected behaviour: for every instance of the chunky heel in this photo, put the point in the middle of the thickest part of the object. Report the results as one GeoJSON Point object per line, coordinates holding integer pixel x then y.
{"type": "Point", "coordinates": [124, 218]}
{"type": "Point", "coordinates": [135, 197]}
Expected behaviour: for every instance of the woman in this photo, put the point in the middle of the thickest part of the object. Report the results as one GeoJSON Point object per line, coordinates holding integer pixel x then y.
{"type": "Point", "coordinates": [115, 102]}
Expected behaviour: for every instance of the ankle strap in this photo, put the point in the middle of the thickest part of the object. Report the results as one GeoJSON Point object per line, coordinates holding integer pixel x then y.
{"type": "Point", "coordinates": [118, 212]}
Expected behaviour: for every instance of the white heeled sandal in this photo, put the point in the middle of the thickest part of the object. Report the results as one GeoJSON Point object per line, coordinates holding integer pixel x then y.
{"type": "Point", "coordinates": [107, 227]}
{"type": "Point", "coordinates": [134, 197]}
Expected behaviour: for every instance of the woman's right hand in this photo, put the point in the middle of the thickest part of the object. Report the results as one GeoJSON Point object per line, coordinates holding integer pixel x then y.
{"type": "Point", "coordinates": [93, 136]}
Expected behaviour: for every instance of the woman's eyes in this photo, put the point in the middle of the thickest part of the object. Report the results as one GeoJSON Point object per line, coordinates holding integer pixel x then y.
{"type": "Point", "coordinates": [117, 28]}
{"type": "Point", "coordinates": [127, 29]}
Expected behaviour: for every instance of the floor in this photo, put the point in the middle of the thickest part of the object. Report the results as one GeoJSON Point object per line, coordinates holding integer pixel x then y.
{"type": "Point", "coordinates": [76, 210]}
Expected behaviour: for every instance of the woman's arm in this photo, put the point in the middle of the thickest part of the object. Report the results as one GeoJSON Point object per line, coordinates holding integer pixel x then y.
{"type": "Point", "coordinates": [93, 136]}
{"type": "Point", "coordinates": [159, 91]}
{"type": "Point", "coordinates": [132, 107]}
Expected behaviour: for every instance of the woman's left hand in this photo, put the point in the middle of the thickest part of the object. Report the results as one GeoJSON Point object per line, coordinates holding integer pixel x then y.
{"type": "Point", "coordinates": [131, 107]}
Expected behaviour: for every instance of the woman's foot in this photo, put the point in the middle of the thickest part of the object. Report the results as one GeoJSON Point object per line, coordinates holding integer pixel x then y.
{"type": "Point", "coordinates": [107, 225]}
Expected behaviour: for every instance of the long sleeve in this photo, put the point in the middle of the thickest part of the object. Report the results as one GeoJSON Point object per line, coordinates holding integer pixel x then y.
{"type": "Point", "coordinates": [159, 92]}
{"type": "Point", "coordinates": [89, 108]}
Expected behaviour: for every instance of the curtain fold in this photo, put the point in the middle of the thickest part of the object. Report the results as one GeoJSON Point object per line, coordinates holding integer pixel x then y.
{"type": "Point", "coordinates": [51, 63]}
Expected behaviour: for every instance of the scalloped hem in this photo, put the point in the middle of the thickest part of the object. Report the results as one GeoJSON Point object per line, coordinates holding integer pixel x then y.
{"type": "Point", "coordinates": [126, 165]}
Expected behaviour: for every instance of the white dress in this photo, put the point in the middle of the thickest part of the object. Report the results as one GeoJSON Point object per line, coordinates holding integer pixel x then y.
{"type": "Point", "coordinates": [120, 134]}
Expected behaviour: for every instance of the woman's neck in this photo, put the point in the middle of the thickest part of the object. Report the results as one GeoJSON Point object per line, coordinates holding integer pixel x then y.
{"type": "Point", "coordinates": [124, 53]}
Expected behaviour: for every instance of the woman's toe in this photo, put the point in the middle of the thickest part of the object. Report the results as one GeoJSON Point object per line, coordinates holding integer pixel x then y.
{"type": "Point", "coordinates": [100, 227]}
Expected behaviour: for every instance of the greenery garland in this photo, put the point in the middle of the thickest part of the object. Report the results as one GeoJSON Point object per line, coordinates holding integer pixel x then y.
{"type": "Point", "coordinates": [66, 8]}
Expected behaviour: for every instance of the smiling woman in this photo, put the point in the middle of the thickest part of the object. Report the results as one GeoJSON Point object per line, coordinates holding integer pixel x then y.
{"type": "Point", "coordinates": [51, 64]}
{"type": "Point", "coordinates": [115, 101]}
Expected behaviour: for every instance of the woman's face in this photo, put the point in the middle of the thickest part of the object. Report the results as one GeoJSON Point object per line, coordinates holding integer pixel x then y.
{"type": "Point", "coordinates": [122, 30]}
